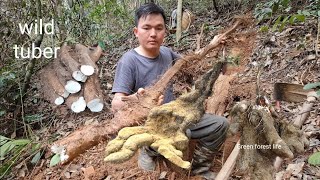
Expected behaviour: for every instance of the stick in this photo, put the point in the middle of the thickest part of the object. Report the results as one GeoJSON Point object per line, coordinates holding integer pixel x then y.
{"type": "Point", "coordinates": [228, 166]}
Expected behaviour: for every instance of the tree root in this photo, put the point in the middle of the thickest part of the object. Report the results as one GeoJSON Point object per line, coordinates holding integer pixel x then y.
{"type": "Point", "coordinates": [263, 138]}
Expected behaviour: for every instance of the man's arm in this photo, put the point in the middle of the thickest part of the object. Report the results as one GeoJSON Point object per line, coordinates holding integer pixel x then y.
{"type": "Point", "coordinates": [117, 102]}
{"type": "Point", "coordinates": [119, 99]}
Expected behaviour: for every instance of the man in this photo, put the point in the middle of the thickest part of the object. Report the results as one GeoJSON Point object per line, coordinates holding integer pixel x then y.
{"type": "Point", "coordinates": [141, 67]}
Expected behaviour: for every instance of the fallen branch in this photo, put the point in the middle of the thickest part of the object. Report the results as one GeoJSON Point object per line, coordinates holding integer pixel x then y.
{"type": "Point", "coordinates": [133, 113]}
{"type": "Point", "coordinates": [228, 166]}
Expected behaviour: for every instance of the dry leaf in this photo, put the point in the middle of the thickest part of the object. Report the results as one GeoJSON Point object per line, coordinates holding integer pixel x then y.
{"type": "Point", "coordinates": [88, 171]}
{"type": "Point", "coordinates": [293, 169]}
{"type": "Point", "coordinates": [67, 175]}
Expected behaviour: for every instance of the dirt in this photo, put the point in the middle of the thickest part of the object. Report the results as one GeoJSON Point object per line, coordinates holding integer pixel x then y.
{"type": "Point", "coordinates": [280, 60]}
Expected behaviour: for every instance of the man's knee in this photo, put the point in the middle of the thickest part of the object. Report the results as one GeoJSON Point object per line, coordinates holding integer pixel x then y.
{"type": "Point", "coordinates": [211, 130]}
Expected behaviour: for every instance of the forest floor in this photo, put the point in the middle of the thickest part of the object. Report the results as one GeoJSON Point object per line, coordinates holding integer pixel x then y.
{"type": "Point", "coordinates": [287, 56]}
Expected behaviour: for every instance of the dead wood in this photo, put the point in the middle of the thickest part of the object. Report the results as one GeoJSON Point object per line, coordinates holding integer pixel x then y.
{"type": "Point", "coordinates": [228, 166]}
{"type": "Point", "coordinates": [133, 113]}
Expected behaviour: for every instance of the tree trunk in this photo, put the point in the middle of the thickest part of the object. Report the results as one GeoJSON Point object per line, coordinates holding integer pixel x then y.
{"type": "Point", "coordinates": [179, 19]}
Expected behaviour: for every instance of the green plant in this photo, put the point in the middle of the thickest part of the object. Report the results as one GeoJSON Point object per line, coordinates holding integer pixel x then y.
{"type": "Point", "coordinates": [234, 60]}
{"type": "Point", "coordinates": [314, 159]}
{"type": "Point", "coordinates": [279, 14]}
{"type": "Point", "coordinates": [11, 151]}
{"type": "Point", "coordinates": [315, 86]}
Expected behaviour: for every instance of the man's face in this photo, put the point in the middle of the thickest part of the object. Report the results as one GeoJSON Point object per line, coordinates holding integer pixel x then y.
{"type": "Point", "coordinates": [150, 31]}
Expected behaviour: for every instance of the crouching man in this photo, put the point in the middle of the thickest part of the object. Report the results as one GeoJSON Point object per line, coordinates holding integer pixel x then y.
{"type": "Point", "coordinates": [141, 67]}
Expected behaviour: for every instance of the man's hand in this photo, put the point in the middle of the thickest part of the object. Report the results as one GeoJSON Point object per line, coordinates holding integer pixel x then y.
{"type": "Point", "coordinates": [120, 99]}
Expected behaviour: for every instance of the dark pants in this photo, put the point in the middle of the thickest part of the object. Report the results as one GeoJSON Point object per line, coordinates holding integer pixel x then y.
{"type": "Point", "coordinates": [211, 131]}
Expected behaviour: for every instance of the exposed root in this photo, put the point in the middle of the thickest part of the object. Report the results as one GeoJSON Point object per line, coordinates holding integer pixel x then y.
{"type": "Point", "coordinates": [263, 139]}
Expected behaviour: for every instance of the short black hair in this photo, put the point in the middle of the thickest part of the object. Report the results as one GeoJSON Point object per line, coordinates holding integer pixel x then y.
{"type": "Point", "coordinates": [146, 9]}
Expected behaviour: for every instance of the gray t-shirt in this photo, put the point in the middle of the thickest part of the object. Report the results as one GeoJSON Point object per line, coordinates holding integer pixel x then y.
{"type": "Point", "coordinates": [135, 71]}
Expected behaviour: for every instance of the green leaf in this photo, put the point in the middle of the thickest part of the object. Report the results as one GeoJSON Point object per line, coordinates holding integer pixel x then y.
{"type": "Point", "coordinates": [318, 13]}
{"type": "Point", "coordinates": [4, 169]}
{"type": "Point", "coordinates": [36, 158]}
{"type": "Point", "coordinates": [300, 17]}
{"type": "Point", "coordinates": [276, 24]}
{"type": "Point", "coordinates": [21, 142]}
{"type": "Point", "coordinates": [292, 19]}
{"type": "Point", "coordinates": [267, 11]}
{"type": "Point", "coordinates": [284, 3]}
{"type": "Point", "coordinates": [311, 85]}
{"type": "Point", "coordinates": [35, 147]}
{"type": "Point", "coordinates": [33, 117]}
{"type": "Point", "coordinates": [102, 45]}
{"type": "Point", "coordinates": [275, 7]}
{"type": "Point", "coordinates": [314, 159]}
{"type": "Point", "coordinates": [3, 138]}
{"type": "Point", "coordinates": [284, 22]}
{"type": "Point", "coordinates": [55, 160]}
{"type": "Point", "coordinates": [5, 148]}
{"type": "Point", "coordinates": [2, 112]}
{"type": "Point", "coordinates": [264, 29]}
{"type": "Point", "coordinates": [306, 13]}
{"type": "Point", "coordinates": [318, 93]}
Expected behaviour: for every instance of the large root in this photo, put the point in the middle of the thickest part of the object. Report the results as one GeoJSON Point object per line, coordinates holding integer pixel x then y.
{"type": "Point", "coordinates": [263, 138]}
{"type": "Point", "coordinates": [165, 126]}
{"type": "Point", "coordinates": [134, 113]}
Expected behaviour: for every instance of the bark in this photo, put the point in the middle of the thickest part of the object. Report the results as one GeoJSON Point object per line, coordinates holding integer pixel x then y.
{"type": "Point", "coordinates": [69, 63]}
{"type": "Point", "coordinates": [134, 113]}
{"type": "Point", "coordinates": [95, 53]}
{"type": "Point", "coordinates": [62, 74]}
{"type": "Point", "coordinates": [51, 87]}
{"type": "Point", "coordinates": [93, 94]}
{"type": "Point", "coordinates": [179, 20]}
{"type": "Point", "coordinates": [85, 60]}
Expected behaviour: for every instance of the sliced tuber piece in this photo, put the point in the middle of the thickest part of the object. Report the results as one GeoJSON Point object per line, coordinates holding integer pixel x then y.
{"type": "Point", "coordinates": [79, 105]}
{"type": "Point", "coordinates": [79, 76]}
{"type": "Point", "coordinates": [87, 70]}
{"type": "Point", "coordinates": [95, 105]}
{"type": "Point", "coordinates": [59, 100]}
{"type": "Point", "coordinates": [72, 86]}
{"type": "Point", "coordinates": [93, 94]}
{"type": "Point", "coordinates": [88, 66]}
